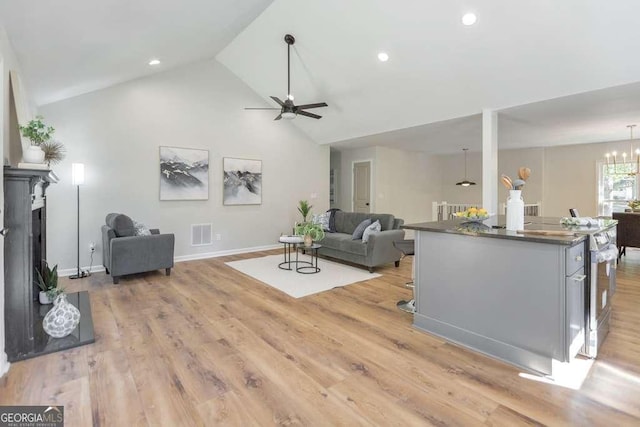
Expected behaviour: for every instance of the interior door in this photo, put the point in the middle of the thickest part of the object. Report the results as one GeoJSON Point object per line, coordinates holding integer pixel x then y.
{"type": "Point", "coordinates": [362, 187]}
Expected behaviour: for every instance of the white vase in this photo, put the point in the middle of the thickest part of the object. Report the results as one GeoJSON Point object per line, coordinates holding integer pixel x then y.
{"type": "Point", "coordinates": [44, 298]}
{"type": "Point", "coordinates": [62, 319]}
{"type": "Point", "coordinates": [33, 154]}
{"type": "Point", "coordinates": [515, 211]}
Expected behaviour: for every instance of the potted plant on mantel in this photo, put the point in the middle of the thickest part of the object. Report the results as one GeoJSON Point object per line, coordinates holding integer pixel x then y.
{"type": "Point", "coordinates": [48, 283]}
{"type": "Point", "coordinates": [36, 132]}
{"type": "Point", "coordinates": [310, 231]}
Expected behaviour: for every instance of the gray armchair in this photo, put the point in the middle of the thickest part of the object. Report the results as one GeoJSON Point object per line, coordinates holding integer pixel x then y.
{"type": "Point", "coordinates": [125, 253]}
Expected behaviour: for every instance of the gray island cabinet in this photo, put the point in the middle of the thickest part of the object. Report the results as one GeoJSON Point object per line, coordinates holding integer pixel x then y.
{"type": "Point", "coordinates": [518, 298]}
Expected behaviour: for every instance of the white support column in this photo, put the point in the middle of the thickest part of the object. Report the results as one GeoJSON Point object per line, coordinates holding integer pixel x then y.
{"type": "Point", "coordinates": [490, 160]}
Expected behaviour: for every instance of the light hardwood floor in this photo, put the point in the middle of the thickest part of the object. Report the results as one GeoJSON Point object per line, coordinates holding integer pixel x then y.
{"type": "Point", "coordinates": [210, 346]}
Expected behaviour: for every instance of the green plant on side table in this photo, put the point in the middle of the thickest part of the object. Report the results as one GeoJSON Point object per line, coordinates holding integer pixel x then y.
{"type": "Point", "coordinates": [305, 209]}
{"type": "Point", "coordinates": [311, 232]}
{"type": "Point", "coordinates": [47, 281]}
{"type": "Point", "coordinates": [634, 205]}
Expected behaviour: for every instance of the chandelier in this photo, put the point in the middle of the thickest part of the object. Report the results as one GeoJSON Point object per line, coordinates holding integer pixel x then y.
{"type": "Point", "coordinates": [626, 166]}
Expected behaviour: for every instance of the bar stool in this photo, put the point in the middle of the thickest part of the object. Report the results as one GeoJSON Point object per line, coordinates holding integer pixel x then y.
{"type": "Point", "coordinates": [407, 247]}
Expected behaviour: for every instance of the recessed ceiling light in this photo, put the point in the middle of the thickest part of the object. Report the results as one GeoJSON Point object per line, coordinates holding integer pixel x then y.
{"type": "Point", "coordinates": [469, 19]}
{"type": "Point", "coordinates": [154, 62]}
{"type": "Point", "coordinates": [383, 57]}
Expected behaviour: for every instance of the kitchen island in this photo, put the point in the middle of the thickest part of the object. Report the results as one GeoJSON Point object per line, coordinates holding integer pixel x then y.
{"type": "Point", "coordinates": [517, 297]}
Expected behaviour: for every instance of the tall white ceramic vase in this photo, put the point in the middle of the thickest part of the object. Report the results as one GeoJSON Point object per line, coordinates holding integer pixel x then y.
{"type": "Point", "coordinates": [515, 211]}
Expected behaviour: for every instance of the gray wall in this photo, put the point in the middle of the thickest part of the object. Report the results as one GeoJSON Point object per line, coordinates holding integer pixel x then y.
{"type": "Point", "coordinates": [116, 133]}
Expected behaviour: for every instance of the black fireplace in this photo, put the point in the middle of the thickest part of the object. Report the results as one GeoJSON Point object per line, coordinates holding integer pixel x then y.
{"type": "Point", "coordinates": [25, 248]}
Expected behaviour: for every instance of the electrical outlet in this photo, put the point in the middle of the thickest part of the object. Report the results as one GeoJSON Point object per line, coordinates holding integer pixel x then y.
{"type": "Point", "coordinates": [92, 246]}
{"type": "Point", "coordinates": [218, 236]}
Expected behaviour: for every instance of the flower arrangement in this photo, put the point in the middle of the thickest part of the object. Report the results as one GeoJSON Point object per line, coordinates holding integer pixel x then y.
{"type": "Point", "coordinates": [36, 131]}
{"type": "Point", "coordinates": [634, 204]}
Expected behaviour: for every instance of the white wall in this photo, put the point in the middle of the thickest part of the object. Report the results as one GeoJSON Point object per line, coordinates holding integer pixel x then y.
{"type": "Point", "coordinates": [116, 133]}
{"type": "Point", "coordinates": [561, 177]}
{"type": "Point", "coordinates": [407, 184]}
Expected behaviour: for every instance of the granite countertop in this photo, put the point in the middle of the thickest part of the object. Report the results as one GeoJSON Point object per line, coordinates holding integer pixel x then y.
{"type": "Point", "coordinates": [494, 228]}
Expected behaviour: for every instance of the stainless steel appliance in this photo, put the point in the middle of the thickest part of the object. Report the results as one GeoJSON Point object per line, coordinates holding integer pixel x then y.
{"type": "Point", "coordinates": [601, 287]}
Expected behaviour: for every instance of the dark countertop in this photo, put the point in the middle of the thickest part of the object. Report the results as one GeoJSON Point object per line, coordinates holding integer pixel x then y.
{"type": "Point", "coordinates": [485, 229]}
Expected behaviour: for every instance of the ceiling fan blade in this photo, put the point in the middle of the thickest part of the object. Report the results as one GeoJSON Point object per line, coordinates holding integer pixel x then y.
{"type": "Point", "coordinates": [275, 98]}
{"type": "Point", "coordinates": [258, 108]}
{"type": "Point", "coordinates": [304, 113]}
{"type": "Point", "coordinates": [307, 106]}
{"type": "Point", "coordinates": [279, 117]}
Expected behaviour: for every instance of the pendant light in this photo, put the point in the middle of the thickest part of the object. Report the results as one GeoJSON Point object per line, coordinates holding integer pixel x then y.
{"type": "Point", "coordinates": [465, 182]}
{"type": "Point", "coordinates": [614, 155]}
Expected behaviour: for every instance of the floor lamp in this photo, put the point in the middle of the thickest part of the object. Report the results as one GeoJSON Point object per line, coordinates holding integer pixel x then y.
{"type": "Point", "coordinates": [77, 179]}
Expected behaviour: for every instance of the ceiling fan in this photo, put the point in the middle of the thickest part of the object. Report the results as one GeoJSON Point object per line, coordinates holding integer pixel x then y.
{"type": "Point", "coordinates": [288, 110]}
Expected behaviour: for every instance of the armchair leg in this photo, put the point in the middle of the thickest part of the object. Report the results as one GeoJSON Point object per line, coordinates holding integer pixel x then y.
{"type": "Point", "coordinates": [107, 270]}
{"type": "Point", "coordinates": [370, 269]}
{"type": "Point", "coordinates": [167, 271]}
{"type": "Point", "coordinates": [116, 280]}
{"type": "Point", "coordinates": [398, 263]}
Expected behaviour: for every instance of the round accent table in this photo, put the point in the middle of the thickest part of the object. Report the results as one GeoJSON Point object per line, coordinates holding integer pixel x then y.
{"type": "Point", "coordinates": [289, 242]}
{"type": "Point", "coordinates": [308, 267]}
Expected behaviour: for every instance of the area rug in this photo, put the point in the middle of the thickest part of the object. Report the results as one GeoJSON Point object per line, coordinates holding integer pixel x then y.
{"type": "Point", "coordinates": [332, 275]}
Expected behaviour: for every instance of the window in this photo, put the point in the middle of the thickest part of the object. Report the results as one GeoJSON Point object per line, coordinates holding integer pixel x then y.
{"type": "Point", "coordinates": [617, 186]}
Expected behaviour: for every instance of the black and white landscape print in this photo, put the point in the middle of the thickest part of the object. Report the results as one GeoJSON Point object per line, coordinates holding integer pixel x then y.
{"type": "Point", "coordinates": [242, 181]}
{"type": "Point", "coordinates": [184, 174]}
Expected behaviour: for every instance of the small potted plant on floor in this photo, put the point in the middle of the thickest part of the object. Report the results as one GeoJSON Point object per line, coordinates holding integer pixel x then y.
{"type": "Point", "coordinates": [48, 283]}
{"type": "Point", "coordinates": [310, 231]}
{"type": "Point", "coordinates": [36, 132]}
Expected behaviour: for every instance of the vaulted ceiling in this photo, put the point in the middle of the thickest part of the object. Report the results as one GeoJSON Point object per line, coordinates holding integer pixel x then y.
{"type": "Point", "coordinates": [558, 71]}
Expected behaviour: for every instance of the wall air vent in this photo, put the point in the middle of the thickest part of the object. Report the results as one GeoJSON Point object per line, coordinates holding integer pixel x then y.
{"type": "Point", "coordinates": [201, 234]}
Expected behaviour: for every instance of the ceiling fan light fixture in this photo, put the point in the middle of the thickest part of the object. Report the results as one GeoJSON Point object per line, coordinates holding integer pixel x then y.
{"type": "Point", "coordinates": [288, 115]}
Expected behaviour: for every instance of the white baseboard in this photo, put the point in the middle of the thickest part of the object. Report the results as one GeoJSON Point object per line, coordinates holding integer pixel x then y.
{"type": "Point", "coordinates": [95, 269]}
{"type": "Point", "coordinates": [217, 254]}
{"type": "Point", "coordinates": [4, 364]}
{"type": "Point", "coordinates": [69, 271]}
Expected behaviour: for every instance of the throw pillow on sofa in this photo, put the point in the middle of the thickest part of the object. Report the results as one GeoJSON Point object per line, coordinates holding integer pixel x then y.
{"type": "Point", "coordinates": [141, 229]}
{"type": "Point", "coordinates": [373, 228]}
{"type": "Point", "coordinates": [359, 231]}
{"type": "Point", "coordinates": [322, 219]}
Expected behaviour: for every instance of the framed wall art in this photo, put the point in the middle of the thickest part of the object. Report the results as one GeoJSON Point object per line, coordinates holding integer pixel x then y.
{"type": "Point", "coordinates": [242, 181]}
{"type": "Point", "coordinates": [184, 174]}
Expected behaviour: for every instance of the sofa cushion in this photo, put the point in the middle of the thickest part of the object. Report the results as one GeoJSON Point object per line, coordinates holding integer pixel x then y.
{"type": "Point", "coordinates": [322, 220]}
{"type": "Point", "coordinates": [346, 222]}
{"type": "Point", "coordinates": [121, 224]}
{"type": "Point", "coordinates": [141, 229]}
{"type": "Point", "coordinates": [343, 242]}
{"type": "Point", "coordinates": [371, 229]}
{"type": "Point", "coordinates": [359, 231]}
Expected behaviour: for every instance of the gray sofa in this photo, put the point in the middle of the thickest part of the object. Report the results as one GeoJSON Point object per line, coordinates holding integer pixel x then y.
{"type": "Point", "coordinates": [125, 253]}
{"type": "Point", "coordinates": [379, 250]}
